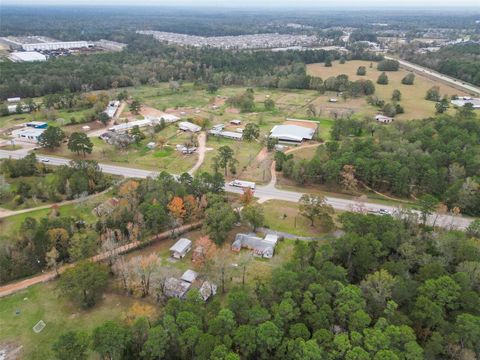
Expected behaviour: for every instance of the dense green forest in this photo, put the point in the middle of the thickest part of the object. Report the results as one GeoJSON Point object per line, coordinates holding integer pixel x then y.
{"type": "Point", "coordinates": [460, 61]}
{"type": "Point", "coordinates": [438, 156]}
{"type": "Point", "coordinates": [384, 290]}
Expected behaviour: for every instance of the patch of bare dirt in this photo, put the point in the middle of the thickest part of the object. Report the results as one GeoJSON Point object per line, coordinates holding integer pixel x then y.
{"type": "Point", "coordinates": [10, 351]}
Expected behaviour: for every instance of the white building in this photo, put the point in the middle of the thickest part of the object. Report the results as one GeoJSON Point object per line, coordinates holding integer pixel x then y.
{"type": "Point", "coordinates": [26, 56]}
{"type": "Point", "coordinates": [189, 276]}
{"type": "Point", "coordinates": [28, 134]}
{"type": "Point", "coordinates": [462, 100]}
{"type": "Point", "coordinates": [226, 134]}
{"type": "Point", "coordinates": [181, 248]}
{"type": "Point", "coordinates": [292, 133]}
{"type": "Point", "coordinates": [168, 118]}
{"type": "Point", "coordinates": [188, 126]}
{"type": "Point", "coordinates": [383, 119]}
{"type": "Point", "coordinates": [110, 45]}
{"type": "Point", "coordinates": [14, 99]}
{"type": "Point", "coordinates": [56, 45]}
{"type": "Point", "coordinates": [112, 108]}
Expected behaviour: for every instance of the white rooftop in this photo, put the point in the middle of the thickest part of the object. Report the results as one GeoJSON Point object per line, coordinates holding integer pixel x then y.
{"type": "Point", "coordinates": [27, 56]}
{"type": "Point", "coordinates": [181, 245]}
{"type": "Point", "coordinates": [189, 276]}
{"type": "Point", "coordinates": [292, 132]}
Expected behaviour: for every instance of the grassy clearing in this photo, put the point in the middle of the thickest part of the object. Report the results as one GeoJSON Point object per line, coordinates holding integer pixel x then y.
{"type": "Point", "coordinates": [140, 156]}
{"type": "Point", "coordinates": [10, 225]}
{"type": "Point", "coordinates": [284, 216]}
{"type": "Point", "coordinates": [245, 153]}
{"type": "Point", "coordinates": [41, 302]}
{"type": "Point", "coordinates": [413, 101]}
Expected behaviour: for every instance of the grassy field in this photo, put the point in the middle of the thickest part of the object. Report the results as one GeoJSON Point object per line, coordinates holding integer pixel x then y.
{"type": "Point", "coordinates": [245, 153]}
{"type": "Point", "coordinates": [41, 302]}
{"type": "Point", "coordinates": [412, 96]}
{"type": "Point", "coordinates": [284, 216]}
{"type": "Point", "coordinates": [140, 156]}
{"type": "Point", "coordinates": [11, 224]}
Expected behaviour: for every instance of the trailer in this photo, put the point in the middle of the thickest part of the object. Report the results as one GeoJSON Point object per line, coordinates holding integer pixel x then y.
{"type": "Point", "coordinates": [242, 184]}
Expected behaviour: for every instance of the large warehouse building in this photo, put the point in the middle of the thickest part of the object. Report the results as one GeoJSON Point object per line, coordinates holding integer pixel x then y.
{"type": "Point", "coordinates": [292, 133]}
{"type": "Point", "coordinates": [23, 56]}
{"type": "Point", "coordinates": [56, 45]}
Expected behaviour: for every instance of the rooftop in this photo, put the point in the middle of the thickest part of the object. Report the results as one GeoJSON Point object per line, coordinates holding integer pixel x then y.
{"type": "Point", "coordinates": [292, 132]}
{"type": "Point", "coordinates": [181, 245]}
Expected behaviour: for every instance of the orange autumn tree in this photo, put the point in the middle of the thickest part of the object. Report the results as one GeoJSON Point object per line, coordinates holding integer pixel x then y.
{"type": "Point", "coordinates": [191, 207]}
{"type": "Point", "coordinates": [205, 250]}
{"type": "Point", "coordinates": [177, 208]}
{"type": "Point", "coordinates": [247, 196]}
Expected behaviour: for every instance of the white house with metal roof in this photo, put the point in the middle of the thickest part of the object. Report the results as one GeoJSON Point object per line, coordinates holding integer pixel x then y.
{"type": "Point", "coordinates": [292, 133]}
{"type": "Point", "coordinates": [261, 247]}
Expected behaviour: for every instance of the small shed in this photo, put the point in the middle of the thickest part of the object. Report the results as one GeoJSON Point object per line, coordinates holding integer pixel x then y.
{"type": "Point", "coordinates": [383, 119]}
{"type": "Point", "coordinates": [207, 290]}
{"type": "Point", "coordinates": [151, 145]}
{"type": "Point", "coordinates": [189, 276]}
{"type": "Point", "coordinates": [176, 288]}
{"type": "Point", "coordinates": [236, 122]}
{"type": "Point", "coordinates": [181, 248]}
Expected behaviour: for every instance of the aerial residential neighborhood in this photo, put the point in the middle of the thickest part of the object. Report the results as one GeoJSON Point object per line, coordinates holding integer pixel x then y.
{"type": "Point", "coordinates": [239, 181]}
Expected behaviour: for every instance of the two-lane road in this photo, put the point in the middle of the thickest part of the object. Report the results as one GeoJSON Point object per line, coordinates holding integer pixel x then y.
{"type": "Point", "coordinates": [469, 88]}
{"type": "Point", "coordinates": [268, 192]}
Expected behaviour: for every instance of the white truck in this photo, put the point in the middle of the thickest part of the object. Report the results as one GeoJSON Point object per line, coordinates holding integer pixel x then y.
{"type": "Point", "coordinates": [242, 184]}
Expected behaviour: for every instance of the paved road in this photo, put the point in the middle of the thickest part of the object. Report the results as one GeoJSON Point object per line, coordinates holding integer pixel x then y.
{"type": "Point", "coordinates": [423, 70]}
{"type": "Point", "coordinates": [264, 193]}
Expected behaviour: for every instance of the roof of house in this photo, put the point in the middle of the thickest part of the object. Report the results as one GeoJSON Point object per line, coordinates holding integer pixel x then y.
{"type": "Point", "coordinates": [175, 287]}
{"type": "Point", "coordinates": [185, 125]}
{"type": "Point", "coordinates": [189, 276]}
{"type": "Point", "coordinates": [181, 245]}
{"type": "Point", "coordinates": [264, 247]}
{"type": "Point", "coordinates": [292, 132]}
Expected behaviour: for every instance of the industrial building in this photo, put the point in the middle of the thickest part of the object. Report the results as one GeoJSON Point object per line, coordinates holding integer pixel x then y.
{"type": "Point", "coordinates": [292, 133]}
{"type": "Point", "coordinates": [26, 56]}
{"type": "Point", "coordinates": [56, 45]}
{"type": "Point", "coordinates": [28, 134]}
{"type": "Point", "coordinates": [109, 45]}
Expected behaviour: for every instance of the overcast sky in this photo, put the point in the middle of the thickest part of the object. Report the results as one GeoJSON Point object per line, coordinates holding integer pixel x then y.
{"type": "Point", "coordinates": [344, 4]}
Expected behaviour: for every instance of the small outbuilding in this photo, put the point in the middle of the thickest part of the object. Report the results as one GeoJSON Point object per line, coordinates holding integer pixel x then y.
{"type": "Point", "coordinates": [189, 276]}
{"type": "Point", "coordinates": [236, 122]}
{"type": "Point", "coordinates": [207, 290]}
{"type": "Point", "coordinates": [383, 119]}
{"type": "Point", "coordinates": [181, 248]}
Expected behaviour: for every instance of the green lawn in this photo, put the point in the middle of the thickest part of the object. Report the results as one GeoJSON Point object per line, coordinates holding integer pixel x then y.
{"type": "Point", "coordinates": [11, 224]}
{"type": "Point", "coordinates": [139, 156]}
{"type": "Point", "coordinates": [284, 216]}
{"type": "Point", "coordinates": [41, 302]}
{"type": "Point", "coordinates": [245, 152]}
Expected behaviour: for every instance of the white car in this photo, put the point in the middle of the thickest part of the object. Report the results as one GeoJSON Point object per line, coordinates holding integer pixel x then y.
{"type": "Point", "coordinates": [45, 160]}
{"type": "Point", "coordinates": [384, 212]}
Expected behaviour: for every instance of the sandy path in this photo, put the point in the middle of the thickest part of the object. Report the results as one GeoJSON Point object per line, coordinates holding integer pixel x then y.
{"type": "Point", "coordinates": [202, 148]}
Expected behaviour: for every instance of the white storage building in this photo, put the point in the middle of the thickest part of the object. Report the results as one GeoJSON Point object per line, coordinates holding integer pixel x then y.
{"type": "Point", "coordinates": [188, 126]}
{"type": "Point", "coordinates": [27, 56]}
{"type": "Point", "coordinates": [56, 45]}
{"type": "Point", "coordinates": [181, 248]}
